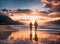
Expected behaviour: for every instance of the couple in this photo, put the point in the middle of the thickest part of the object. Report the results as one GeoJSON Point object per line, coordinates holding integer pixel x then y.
{"type": "Point", "coordinates": [35, 25]}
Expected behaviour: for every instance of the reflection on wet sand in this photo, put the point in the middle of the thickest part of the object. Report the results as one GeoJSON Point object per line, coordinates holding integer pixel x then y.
{"type": "Point", "coordinates": [4, 35]}
{"type": "Point", "coordinates": [36, 38]}
{"type": "Point", "coordinates": [31, 35]}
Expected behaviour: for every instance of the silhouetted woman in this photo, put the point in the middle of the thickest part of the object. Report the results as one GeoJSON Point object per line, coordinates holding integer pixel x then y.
{"type": "Point", "coordinates": [30, 25]}
{"type": "Point", "coordinates": [31, 31]}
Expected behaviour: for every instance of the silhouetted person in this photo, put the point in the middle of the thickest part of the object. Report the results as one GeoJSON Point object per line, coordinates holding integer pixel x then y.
{"type": "Point", "coordinates": [30, 31]}
{"type": "Point", "coordinates": [35, 24]}
{"type": "Point", "coordinates": [30, 26]}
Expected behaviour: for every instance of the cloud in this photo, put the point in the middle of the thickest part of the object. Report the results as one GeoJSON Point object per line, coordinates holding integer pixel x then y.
{"type": "Point", "coordinates": [51, 3]}
{"type": "Point", "coordinates": [43, 13]}
{"type": "Point", "coordinates": [47, 5]}
{"type": "Point", "coordinates": [24, 10]}
{"type": "Point", "coordinates": [54, 14]}
{"type": "Point", "coordinates": [50, 0]}
{"type": "Point", "coordinates": [54, 6]}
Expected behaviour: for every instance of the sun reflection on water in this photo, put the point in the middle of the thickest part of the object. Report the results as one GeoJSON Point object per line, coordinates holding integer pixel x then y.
{"type": "Point", "coordinates": [33, 34]}
{"type": "Point", "coordinates": [24, 36]}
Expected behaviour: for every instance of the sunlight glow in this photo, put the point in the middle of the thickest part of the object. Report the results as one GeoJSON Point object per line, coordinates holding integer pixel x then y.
{"type": "Point", "coordinates": [27, 19]}
{"type": "Point", "coordinates": [33, 34]}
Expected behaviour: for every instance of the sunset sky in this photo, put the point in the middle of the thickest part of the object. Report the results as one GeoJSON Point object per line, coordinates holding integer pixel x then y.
{"type": "Point", "coordinates": [21, 4]}
{"type": "Point", "coordinates": [53, 7]}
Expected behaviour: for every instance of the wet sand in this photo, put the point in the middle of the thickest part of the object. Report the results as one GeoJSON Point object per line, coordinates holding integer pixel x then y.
{"type": "Point", "coordinates": [26, 37]}
{"type": "Point", "coordinates": [5, 32]}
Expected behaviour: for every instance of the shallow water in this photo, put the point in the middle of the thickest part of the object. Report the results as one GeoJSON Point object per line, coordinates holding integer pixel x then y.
{"type": "Point", "coordinates": [25, 36]}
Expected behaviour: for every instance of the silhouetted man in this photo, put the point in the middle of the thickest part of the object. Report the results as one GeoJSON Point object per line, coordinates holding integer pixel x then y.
{"type": "Point", "coordinates": [35, 24]}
